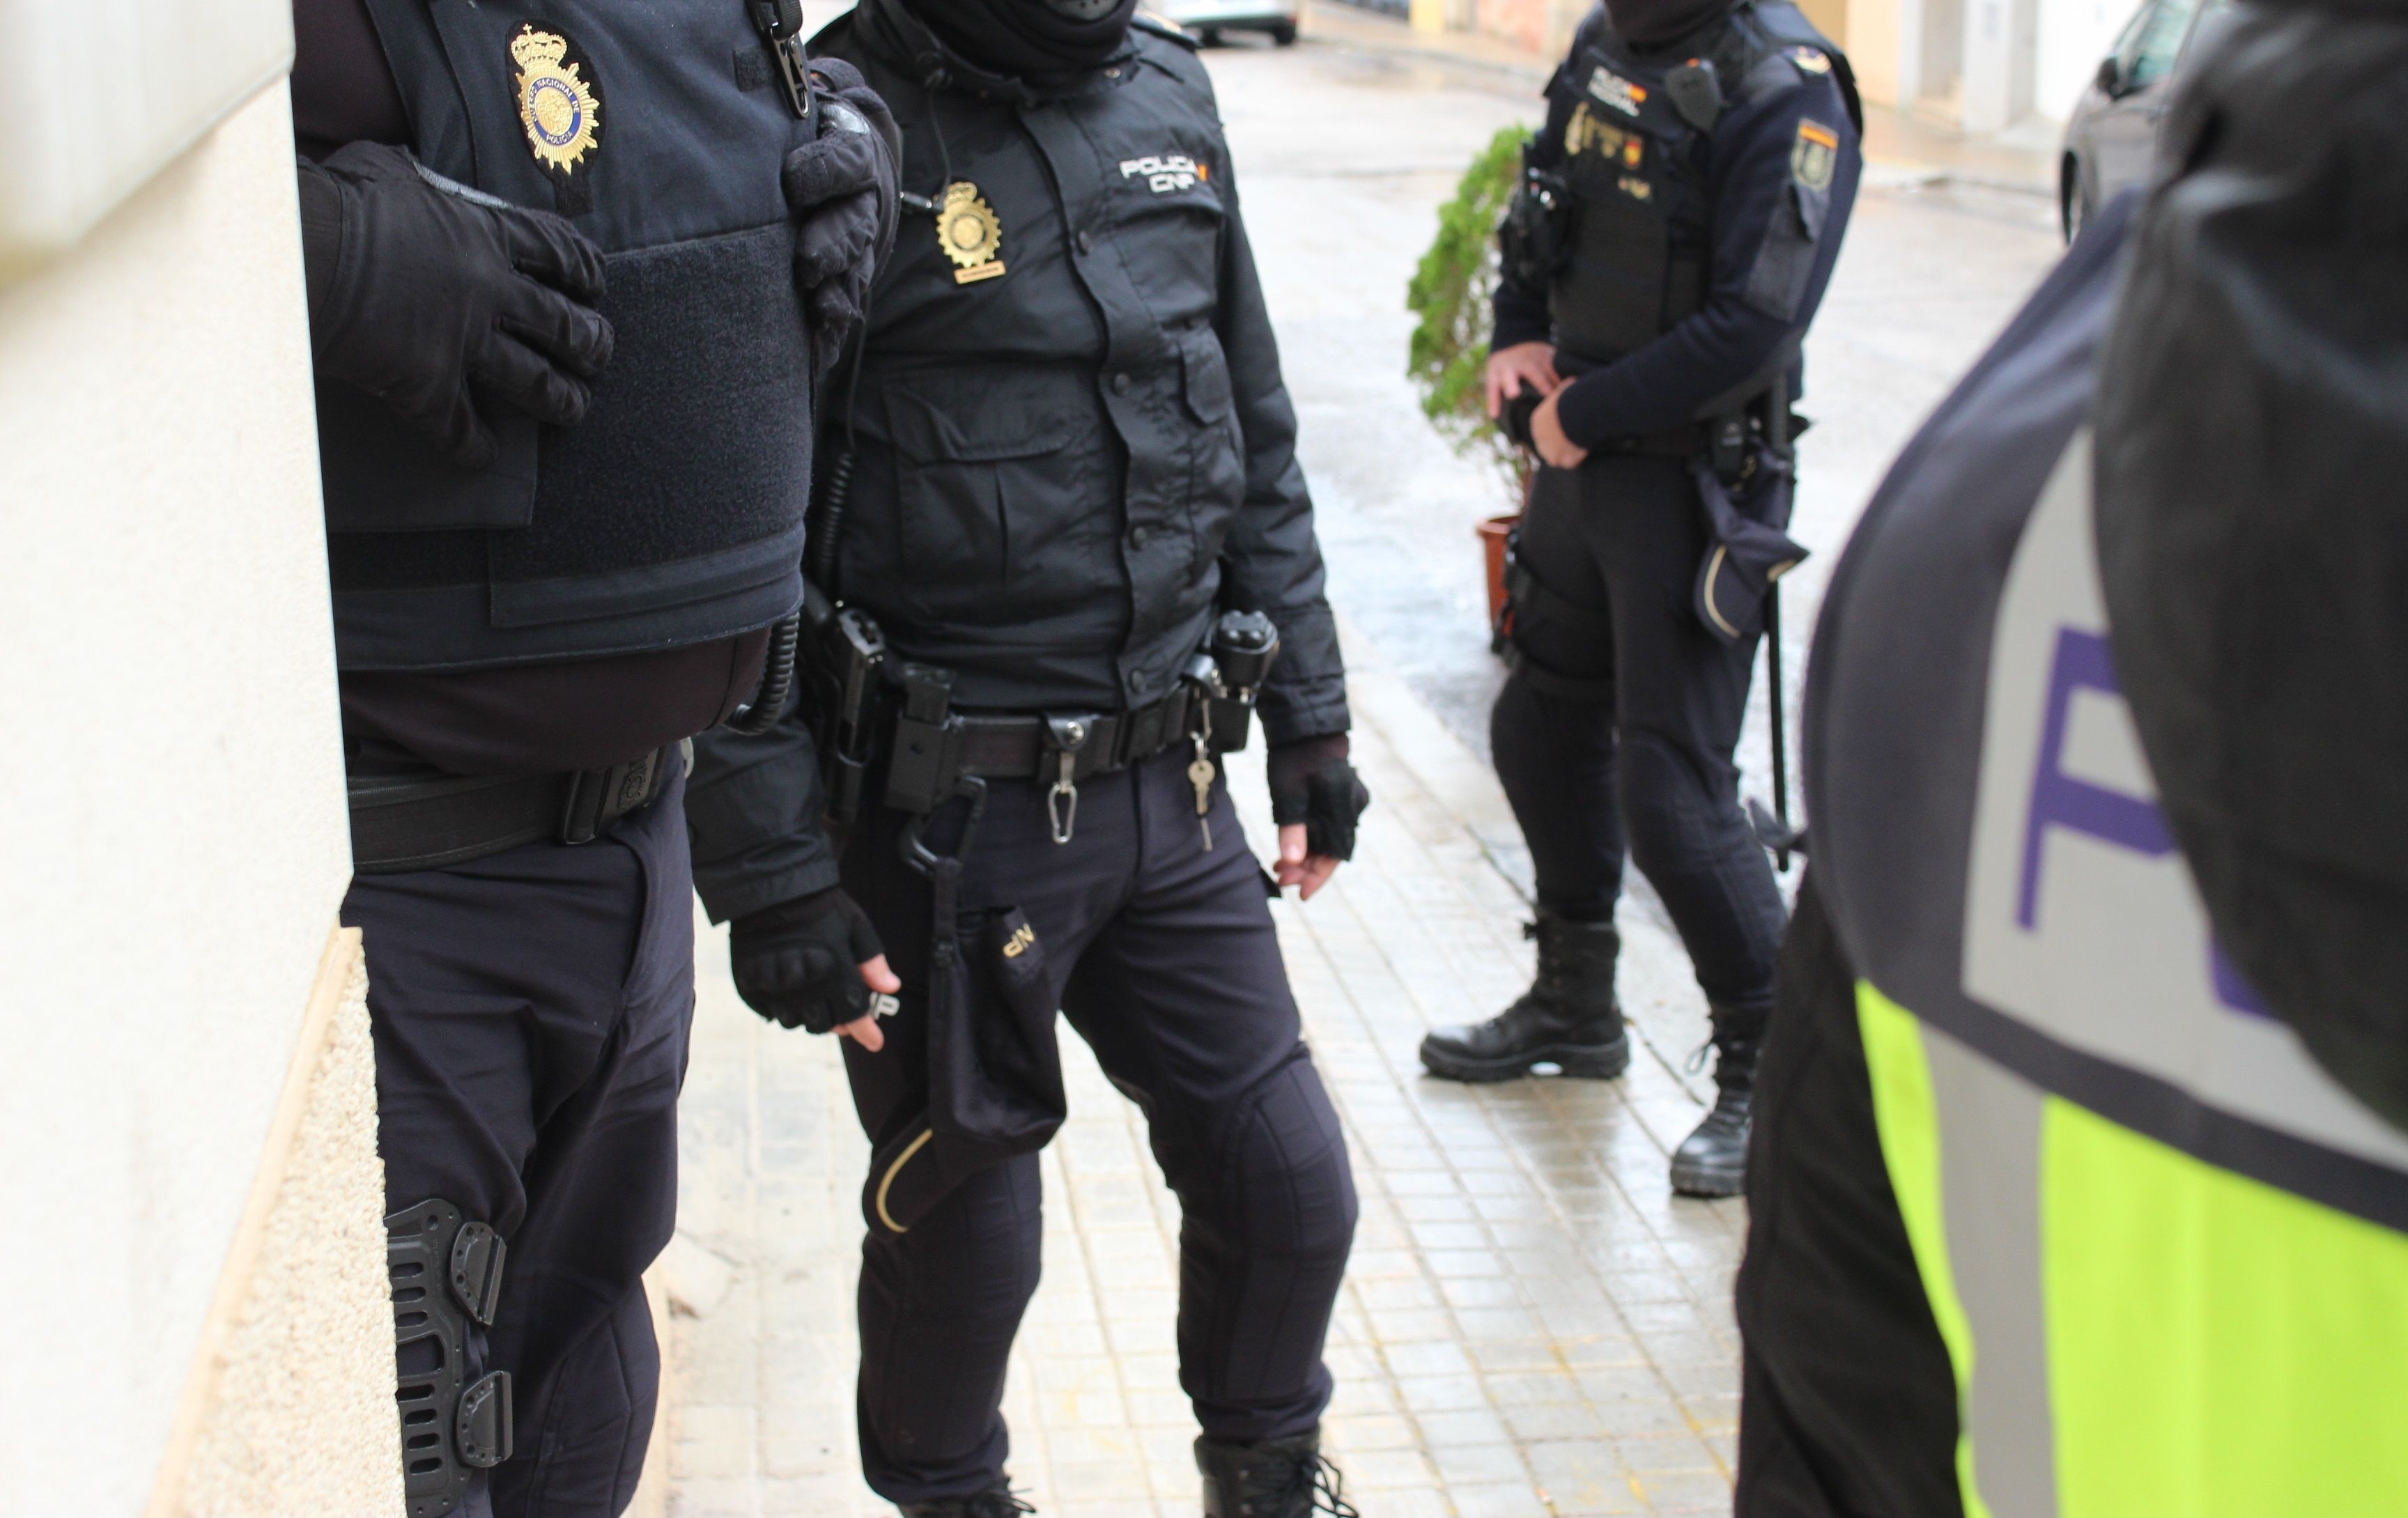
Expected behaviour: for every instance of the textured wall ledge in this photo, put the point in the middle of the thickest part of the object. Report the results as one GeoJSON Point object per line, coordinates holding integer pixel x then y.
{"type": "Point", "coordinates": [289, 1407]}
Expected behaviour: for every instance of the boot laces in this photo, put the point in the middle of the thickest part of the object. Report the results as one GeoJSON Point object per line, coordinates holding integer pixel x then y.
{"type": "Point", "coordinates": [1320, 1481]}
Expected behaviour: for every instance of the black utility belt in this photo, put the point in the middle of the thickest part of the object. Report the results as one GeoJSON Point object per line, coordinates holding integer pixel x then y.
{"type": "Point", "coordinates": [888, 734]}
{"type": "Point", "coordinates": [405, 823]}
{"type": "Point", "coordinates": [1033, 746]}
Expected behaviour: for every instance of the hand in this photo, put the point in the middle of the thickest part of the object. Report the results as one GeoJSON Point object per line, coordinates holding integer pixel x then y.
{"type": "Point", "coordinates": [1547, 432]}
{"type": "Point", "coordinates": [812, 963]}
{"type": "Point", "coordinates": [1531, 363]}
{"type": "Point", "coordinates": [436, 303]}
{"type": "Point", "coordinates": [841, 187]}
{"type": "Point", "coordinates": [1316, 799]}
{"type": "Point", "coordinates": [1299, 867]}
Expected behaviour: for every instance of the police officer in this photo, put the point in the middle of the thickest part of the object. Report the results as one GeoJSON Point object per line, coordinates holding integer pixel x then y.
{"type": "Point", "coordinates": [2053, 1212]}
{"type": "Point", "coordinates": [569, 266]}
{"type": "Point", "coordinates": [1679, 219]}
{"type": "Point", "coordinates": [1064, 525]}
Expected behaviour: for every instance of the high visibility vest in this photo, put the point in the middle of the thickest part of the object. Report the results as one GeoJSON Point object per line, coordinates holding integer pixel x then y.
{"type": "Point", "coordinates": [2167, 1254]}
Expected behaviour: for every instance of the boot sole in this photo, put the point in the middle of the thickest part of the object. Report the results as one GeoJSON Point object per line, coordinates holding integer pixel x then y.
{"type": "Point", "coordinates": [1707, 1181]}
{"type": "Point", "coordinates": [1583, 1062]}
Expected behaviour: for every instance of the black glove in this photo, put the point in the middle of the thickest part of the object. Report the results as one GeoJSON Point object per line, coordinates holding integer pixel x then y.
{"type": "Point", "coordinates": [434, 302]}
{"type": "Point", "coordinates": [1312, 783]}
{"type": "Point", "coordinates": [798, 964]}
{"type": "Point", "coordinates": [841, 187]}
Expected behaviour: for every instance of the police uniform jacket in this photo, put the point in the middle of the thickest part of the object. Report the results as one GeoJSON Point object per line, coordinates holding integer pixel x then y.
{"type": "Point", "coordinates": [1702, 235]}
{"type": "Point", "coordinates": [1072, 446]}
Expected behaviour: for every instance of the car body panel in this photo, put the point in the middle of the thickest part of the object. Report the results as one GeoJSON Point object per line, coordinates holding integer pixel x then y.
{"type": "Point", "coordinates": [2111, 140]}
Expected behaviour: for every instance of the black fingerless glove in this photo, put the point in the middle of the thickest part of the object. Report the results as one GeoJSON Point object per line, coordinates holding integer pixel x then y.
{"type": "Point", "coordinates": [798, 964]}
{"type": "Point", "coordinates": [841, 187]}
{"type": "Point", "coordinates": [440, 302]}
{"type": "Point", "coordinates": [1312, 783]}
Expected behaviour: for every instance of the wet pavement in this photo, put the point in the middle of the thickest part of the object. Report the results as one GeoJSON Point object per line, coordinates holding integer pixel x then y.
{"type": "Point", "coordinates": [1532, 1324]}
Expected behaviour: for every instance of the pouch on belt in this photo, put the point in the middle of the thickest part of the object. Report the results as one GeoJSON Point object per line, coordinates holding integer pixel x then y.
{"type": "Point", "coordinates": [995, 1071]}
{"type": "Point", "coordinates": [1747, 548]}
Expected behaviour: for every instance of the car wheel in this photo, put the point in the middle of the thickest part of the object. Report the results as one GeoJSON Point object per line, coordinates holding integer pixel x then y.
{"type": "Point", "coordinates": [1283, 34]}
{"type": "Point", "coordinates": [2070, 212]}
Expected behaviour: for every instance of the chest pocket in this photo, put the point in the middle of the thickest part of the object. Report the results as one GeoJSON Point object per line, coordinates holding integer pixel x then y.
{"type": "Point", "coordinates": [1001, 493]}
{"type": "Point", "coordinates": [1164, 206]}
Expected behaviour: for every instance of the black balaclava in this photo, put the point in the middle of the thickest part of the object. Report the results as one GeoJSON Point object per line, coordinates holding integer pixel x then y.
{"type": "Point", "coordinates": [1029, 40]}
{"type": "Point", "coordinates": [1647, 24]}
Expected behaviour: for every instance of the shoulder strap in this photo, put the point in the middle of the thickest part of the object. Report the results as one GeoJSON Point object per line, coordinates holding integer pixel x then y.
{"type": "Point", "coordinates": [1169, 31]}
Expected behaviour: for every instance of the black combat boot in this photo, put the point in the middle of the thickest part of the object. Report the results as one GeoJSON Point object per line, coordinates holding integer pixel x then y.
{"type": "Point", "coordinates": [1713, 1160]}
{"type": "Point", "coordinates": [1273, 1478]}
{"type": "Point", "coordinates": [1567, 1018]}
{"type": "Point", "coordinates": [997, 1501]}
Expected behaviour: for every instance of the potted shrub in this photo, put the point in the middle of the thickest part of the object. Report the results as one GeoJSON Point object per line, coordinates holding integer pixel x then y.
{"type": "Point", "coordinates": [1450, 296]}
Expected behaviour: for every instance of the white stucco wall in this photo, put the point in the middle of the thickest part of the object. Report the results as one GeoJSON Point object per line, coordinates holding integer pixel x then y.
{"type": "Point", "coordinates": [174, 838]}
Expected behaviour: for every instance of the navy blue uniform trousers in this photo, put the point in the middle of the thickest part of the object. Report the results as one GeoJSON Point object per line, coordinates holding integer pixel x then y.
{"type": "Point", "coordinates": [530, 1011]}
{"type": "Point", "coordinates": [1162, 957]}
{"type": "Point", "coordinates": [1619, 742]}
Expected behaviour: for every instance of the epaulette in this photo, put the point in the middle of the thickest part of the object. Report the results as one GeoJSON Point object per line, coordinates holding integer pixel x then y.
{"type": "Point", "coordinates": [1165, 28]}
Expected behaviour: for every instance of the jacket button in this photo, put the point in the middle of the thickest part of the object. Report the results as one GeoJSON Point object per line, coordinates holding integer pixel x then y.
{"type": "Point", "coordinates": [1137, 537]}
{"type": "Point", "coordinates": [1121, 383]}
{"type": "Point", "coordinates": [1137, 679]}
{"type": "Point", "coordinates": [1086, 241]}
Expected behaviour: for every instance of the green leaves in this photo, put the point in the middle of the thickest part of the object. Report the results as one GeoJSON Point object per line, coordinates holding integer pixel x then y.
{"type": "Point", "coordinates": [1450, 293]}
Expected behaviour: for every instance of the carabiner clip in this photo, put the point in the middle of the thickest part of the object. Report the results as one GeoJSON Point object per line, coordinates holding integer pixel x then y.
{"type": "Point", "coordinates": [1061, 802]}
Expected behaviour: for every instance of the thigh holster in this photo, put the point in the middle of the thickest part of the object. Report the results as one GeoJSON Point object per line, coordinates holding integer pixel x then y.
{"type": "Point", "coordinates": [1557, 623]}
{"type": "Point", "coordinates": [446, 1272]}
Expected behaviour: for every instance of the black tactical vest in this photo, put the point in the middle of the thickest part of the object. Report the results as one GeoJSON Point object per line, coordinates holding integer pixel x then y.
{"type": "Point", "coordinates": [1634, 147]}
{"type": "Point", "coordinates": [674, 514]}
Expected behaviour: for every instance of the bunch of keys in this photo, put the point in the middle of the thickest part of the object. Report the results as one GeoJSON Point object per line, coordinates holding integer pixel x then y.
{"type": "Point", "coordinates": [1199, 774]}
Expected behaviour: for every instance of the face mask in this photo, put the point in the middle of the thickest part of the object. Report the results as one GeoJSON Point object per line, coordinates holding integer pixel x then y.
{"type": "Point", "coordinates": [1652, 23]}
{"type": "Point", "coordinates": [1025, 38]}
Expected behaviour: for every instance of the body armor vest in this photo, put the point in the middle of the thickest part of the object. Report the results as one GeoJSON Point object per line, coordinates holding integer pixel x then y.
{"type": "Point", "coordinates": [674, 513]}
{"type": "Point", "coordinates": [1639, 226]}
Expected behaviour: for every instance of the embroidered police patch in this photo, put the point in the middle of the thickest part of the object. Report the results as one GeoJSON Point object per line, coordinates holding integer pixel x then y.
{"type": "Point", "coordinates": [1613, 90]}
{"type": "Point", "coordinates": [1810, 60]}
{"type": "Point", "coordinates": [1165, 172]}
{"type": "Point", "coordinates": [1816, 151]}
{"type": "Point", "coordinates": [1584, 132]}
{"type": "Point", "coordinates": [560, 107]}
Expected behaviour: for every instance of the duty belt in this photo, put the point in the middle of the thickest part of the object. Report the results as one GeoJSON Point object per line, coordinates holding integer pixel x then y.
{"type": "Point", "coordinates": [414, 822]}
{"type": "Point", "coordinates": [1032, 747]}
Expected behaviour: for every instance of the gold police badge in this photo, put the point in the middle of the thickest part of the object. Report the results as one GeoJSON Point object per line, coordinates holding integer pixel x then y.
{"type": "Point", "coordinates": [970, 233]}
{"type": "Point", "coordinates": [557, 105]}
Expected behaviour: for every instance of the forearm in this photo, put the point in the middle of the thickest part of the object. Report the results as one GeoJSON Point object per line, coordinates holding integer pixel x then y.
{"type": "Point", "coordinates": [756, 818]}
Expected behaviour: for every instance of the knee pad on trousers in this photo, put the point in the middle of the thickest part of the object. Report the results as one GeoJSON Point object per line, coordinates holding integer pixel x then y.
{"type": "Point", "coordinates": [446, 1273]}
{"type": "Point", "coordinates": [1265, 1250]}
{"type": "Point", "coordinates": [1673, 810]}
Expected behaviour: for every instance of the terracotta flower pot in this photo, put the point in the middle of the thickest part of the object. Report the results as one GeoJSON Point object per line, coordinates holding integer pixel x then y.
{"type": "Point", "coordinates": [1493, 534]}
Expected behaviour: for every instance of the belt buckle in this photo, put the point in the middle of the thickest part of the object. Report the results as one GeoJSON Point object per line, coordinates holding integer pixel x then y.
{"type": "Point", "coordinates": [598, 797]}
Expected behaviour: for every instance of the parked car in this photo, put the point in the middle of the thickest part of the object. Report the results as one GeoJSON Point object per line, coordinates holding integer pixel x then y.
{"type": "Point", "coordinates": [1209, 19]}
{"type": "Point", "coordinates": [2112, 139]}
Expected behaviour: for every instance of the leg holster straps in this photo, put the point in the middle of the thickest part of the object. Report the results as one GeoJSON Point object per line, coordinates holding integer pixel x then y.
{"type": "Point", "coordinates": [446, 1272]}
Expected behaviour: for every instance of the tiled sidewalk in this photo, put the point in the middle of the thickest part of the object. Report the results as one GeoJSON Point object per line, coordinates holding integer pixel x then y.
{"type": "Point", "coordinates": [1532, 1323]}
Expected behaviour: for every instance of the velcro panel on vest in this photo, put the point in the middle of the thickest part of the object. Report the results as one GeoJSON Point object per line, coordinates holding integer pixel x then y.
{"type": "Point", "coordinates": [699, 440]}
{"type": "Point", "coordinates": [699, 437]}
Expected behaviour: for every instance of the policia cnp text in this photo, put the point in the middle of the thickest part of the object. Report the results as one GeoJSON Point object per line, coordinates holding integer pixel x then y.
{"type": "Point", "coordinates": [1067, 539]}
{"type": "Point", "coordinates": [1678, 222]}
{"type": "Point", "coordinates": [573, 271]}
